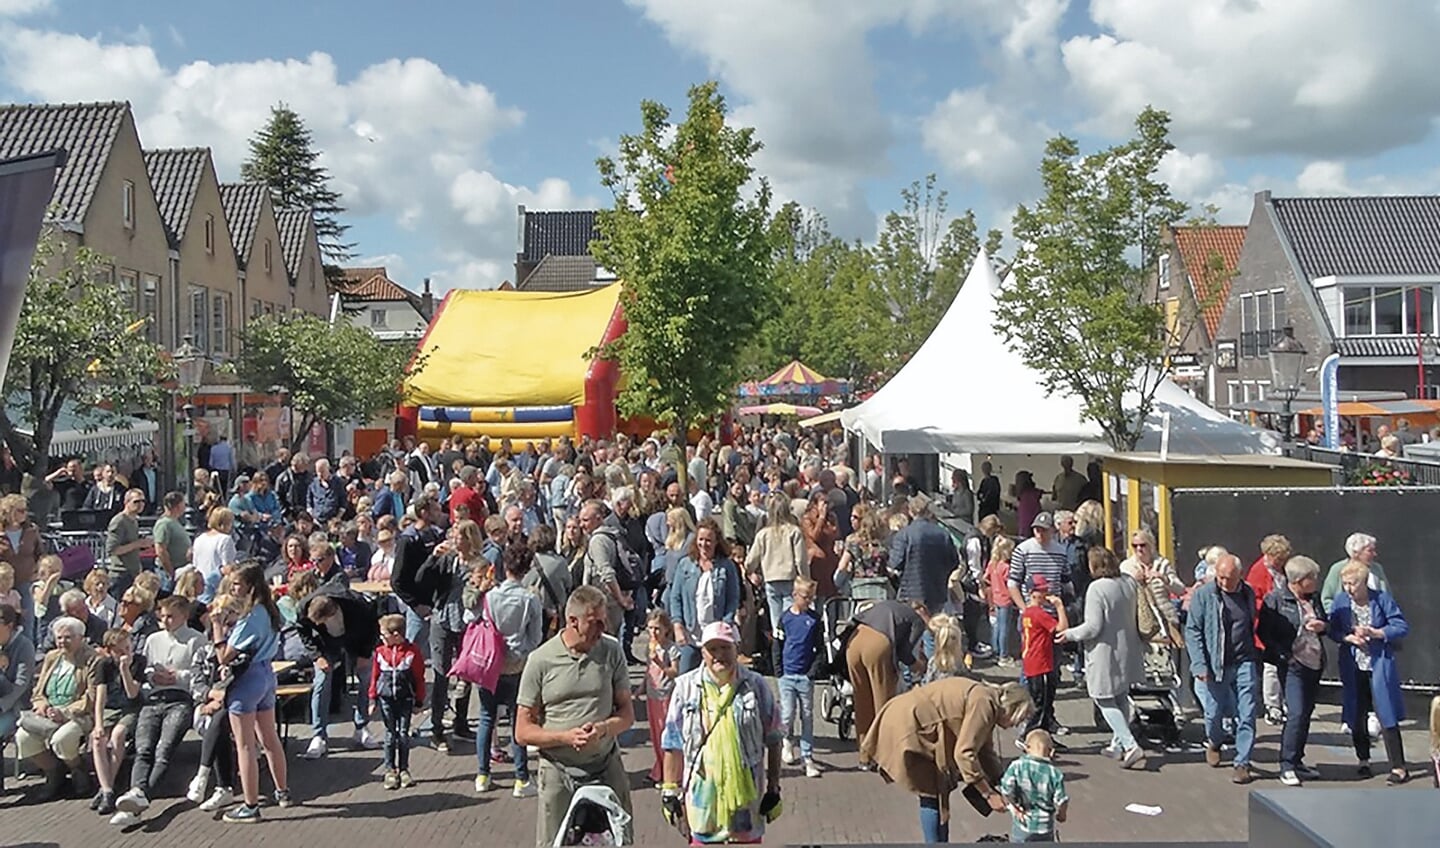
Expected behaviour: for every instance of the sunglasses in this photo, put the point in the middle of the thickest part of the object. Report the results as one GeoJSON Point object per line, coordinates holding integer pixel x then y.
{"type": "Point", "coordinates": [1139, 545]}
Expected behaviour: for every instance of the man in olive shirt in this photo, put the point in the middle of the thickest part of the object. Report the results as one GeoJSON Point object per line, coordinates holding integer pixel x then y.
{"type": "Point", "coordinates": [172, 542]}
{"type": "Point", "coordinates": [123, 543]}
{"type": "Point", "coordinates": [574, 703]}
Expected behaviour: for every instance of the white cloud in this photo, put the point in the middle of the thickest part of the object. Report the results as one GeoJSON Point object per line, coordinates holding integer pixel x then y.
{"type": "Point", "coordinates": [17, 8]}
{"type": "Point", "coordinates": [1315, 78]}
{"type": "Point", "coordinates": [991, 143]}
{"type": "Point", "coordinates": [1189, 174]}
{"type": "Point", "coordinates": [402, 139]}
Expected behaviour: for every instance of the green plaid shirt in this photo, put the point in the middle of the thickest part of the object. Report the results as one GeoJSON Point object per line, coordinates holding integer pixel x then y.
{"type": "Point", "coordinates": [1037, 787]}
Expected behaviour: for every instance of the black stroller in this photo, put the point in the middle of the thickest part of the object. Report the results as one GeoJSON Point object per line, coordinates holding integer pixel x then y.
{"type": "Point", "coordinates": [837, 699]}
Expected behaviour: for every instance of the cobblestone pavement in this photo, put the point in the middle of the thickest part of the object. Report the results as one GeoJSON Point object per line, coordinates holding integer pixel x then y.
{"type": "Point", "coordinates": [341, 798]}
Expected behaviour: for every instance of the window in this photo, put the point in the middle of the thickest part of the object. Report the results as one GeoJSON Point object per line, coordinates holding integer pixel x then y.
{"type": "Point", "coordinates": [312, 272]}
{"type": "Point", "coordinates": [1172, 321]}
{"type": "Point", "coordinates": [220, 322]}
{"type": "Point", "coordinates": [209, 233]}
{"type": "Point", "coordinates": [1232, 392]}
{"type": "Point", "coordinates": [269, 263]}
{"type": "Point", "coordinates": [199, 317]}
{"type": "Point", "coordinates": [1164, 273]}
{"type": "Point", "coordinates": [1263, 319]}
{"type": "Point", "coordinates": [129, 286]}
{"type": "Point", "coordinates": [257, 308]}
{"type": "Point", "coordinates": [377, 318]}
{"type": "Point", "coordinates": [150, 307]}
{"type": "Point", "coordinates": [127, 205]}
{"type": "Point", "coordinates": [1388, 310]}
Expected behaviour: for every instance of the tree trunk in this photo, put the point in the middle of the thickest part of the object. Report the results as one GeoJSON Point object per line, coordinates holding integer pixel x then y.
{"type": "Point", "coordinates": [302, 434]}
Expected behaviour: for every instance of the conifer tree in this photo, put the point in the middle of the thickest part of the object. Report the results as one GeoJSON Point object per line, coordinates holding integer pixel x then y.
{"type": "Point", "coordinates": [283, 156]}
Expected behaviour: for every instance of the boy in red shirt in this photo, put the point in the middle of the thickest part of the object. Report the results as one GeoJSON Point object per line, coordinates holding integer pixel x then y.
{"type": "Point", "coordinates": [397, 688]}
{"type": "Point", "coordinates": [1043, 616]}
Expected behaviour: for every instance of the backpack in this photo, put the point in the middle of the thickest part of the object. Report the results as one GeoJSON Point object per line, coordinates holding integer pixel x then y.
{"type": "Point", "coordinates": [482, 653]}
{"type": "Point", "coordinates": [627, 564]}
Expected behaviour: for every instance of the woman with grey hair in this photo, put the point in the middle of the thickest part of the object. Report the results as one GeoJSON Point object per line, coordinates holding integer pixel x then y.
{"type": "Point", "coordinates": [60, 716]}
{"type": "Point", "coordinates": [1360, 547]}
{"type": "Point", "coordinates": [1290, 625]}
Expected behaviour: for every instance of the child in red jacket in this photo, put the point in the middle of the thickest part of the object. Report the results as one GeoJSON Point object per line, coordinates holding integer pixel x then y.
{"type": "Point", "coordinates": [397, 690]}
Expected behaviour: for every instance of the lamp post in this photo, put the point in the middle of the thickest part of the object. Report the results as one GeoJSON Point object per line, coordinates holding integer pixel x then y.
{"type": "Point", "coordinates": [1287, 372]}
{"type": "Point", "coordinates": [190, 369]}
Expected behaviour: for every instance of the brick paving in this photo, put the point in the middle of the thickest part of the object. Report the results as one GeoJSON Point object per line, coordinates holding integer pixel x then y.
{"type": "Point", "coordinates": [341, 799]}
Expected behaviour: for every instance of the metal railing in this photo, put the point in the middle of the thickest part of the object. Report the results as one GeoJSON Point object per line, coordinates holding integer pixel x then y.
{"type": "Point", "coordinates": [1354, 465]}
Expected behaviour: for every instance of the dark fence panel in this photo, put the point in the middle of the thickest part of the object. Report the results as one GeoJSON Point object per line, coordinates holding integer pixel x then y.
{"type": "Point", "coordinates": [1353, 464]}
{"type": "Point", "coordinates": [1405, 520]}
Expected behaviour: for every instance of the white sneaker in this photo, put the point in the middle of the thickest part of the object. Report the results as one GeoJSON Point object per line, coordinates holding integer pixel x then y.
{"type": "Point", "coordinates": [196, 792]}
{"type": "Point", "coordinates": [523, 789]}
{"type": "Point", "coordinates": [318, 748]}
{"type": "Point", "coordinates": [124, 819]}
{"type": "Point", "coordinates": [133, 802]}
{"type": "Point", "coordinates": [1290, 778]}
{"type": "Point", "coordinates": [811, 770]}
{"type": "Point", "coordinates": [483, 783]}
{"type": "Point", "coordinates": [787, 753]}
{"type": "Point", "coordinates": [221, 798]}
{"type": "Point", "coordinates": [365, 739]}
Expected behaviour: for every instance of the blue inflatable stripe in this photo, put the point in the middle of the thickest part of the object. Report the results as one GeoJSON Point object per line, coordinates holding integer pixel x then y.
{"type": "Point", "coordinates": [444, 413]}
{"type": "Point", "coordinates": [543, 414]}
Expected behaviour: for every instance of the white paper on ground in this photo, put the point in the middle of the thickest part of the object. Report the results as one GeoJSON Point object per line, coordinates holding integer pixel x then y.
{"type": "Point", "coordinates": [1143, 809]}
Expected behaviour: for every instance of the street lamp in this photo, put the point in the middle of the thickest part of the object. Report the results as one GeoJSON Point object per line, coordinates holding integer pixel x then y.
{"type": "Point", "coordinates": [189, 370]}
{"type": "Point", "coordinates": [1287, 371]}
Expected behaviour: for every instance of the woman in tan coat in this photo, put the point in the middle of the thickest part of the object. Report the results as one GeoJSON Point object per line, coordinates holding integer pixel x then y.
{"type": "Point", "coordinates": [20, 546]}
{"type": "Point", "coordinates": [940, 736]}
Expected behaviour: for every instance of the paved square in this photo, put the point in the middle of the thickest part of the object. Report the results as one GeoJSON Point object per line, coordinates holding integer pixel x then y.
{"type": "Point", "coordinates": [342, 800]}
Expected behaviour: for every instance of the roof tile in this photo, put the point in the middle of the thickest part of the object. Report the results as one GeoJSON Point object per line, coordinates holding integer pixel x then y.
{"type": "Point", "coordinates": [175, 176]}
{"type": "Point", "coordinates": [1362, 236]}
{"type": "Point", "coordinates": [558, 234]}
{"type": "Point", "coordinates": [293, 225]}
{"type": "Point", "coordinates": [560, 274]}
{"type": "Point", "coordinates": [86, 131]}
{"type": "Point", "coordinates": [242, 203]}
{"type": "Point", "coordinates": [1197, 245]}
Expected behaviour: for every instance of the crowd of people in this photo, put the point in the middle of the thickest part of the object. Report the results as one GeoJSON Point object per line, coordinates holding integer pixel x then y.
{"type": "Point", "coordinates": [528, 576]}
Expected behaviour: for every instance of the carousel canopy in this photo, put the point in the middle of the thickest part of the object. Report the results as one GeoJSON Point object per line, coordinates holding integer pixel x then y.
{"type": "Point", "coordinates": [797, 378]}
{"type": "Point", "coordinates": [778, 409]}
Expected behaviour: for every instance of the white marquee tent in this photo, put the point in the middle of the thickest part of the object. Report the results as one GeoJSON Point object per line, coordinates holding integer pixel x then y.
{"type": "Point", "coordinates": [964, 390]}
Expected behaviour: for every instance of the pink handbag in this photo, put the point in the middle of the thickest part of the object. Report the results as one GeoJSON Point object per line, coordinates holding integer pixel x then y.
{"type": "Point", "coordinates": [482, 653]}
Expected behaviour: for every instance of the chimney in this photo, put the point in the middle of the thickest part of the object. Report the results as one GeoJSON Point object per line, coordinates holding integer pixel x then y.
{"type": "Point", "coordinates": [520, 229]}
{"type": "Point", "coordinates": [427, 302]}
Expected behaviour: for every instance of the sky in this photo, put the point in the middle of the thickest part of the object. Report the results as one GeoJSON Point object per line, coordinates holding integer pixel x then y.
{"type": "Point", "coordinates": [436, 119]}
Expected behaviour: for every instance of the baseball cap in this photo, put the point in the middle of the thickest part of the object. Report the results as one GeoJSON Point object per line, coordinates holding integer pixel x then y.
{"type": "Point", "coordinates": [1038, 583]}
{"type": "Point", "coordinates": [1045, 521]}
{"type": "Point", "coordinates": [717, 631]}
{"type": "Point", "coordinates": [242, 480]}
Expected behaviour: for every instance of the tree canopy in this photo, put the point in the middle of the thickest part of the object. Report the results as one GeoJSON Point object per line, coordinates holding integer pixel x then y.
{"type": "Point", "coordinates": [77, 342]}
{"type": "Point", "coordinates": [332, 372]}
{"type": "Point", "coordinates": [283, 156]}
{"type": "Point", "coordinates": [689, 236]}
{"type": "Point", "coordinates": [1079, 313]}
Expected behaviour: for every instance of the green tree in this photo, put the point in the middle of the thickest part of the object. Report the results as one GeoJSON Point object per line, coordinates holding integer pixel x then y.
{"type": "Point", "coordinates": [1079, 312]}
{"type": "Point", "coordinates": [332, 372]}
{"type": "Point", "coordinates": [77, 342]}
{"type": "Point", "coordinates": [920, 262]}
{"type": "Point", "coordinates": [283, 156]}
{"type": "Point", "coordinates": [689, 237]}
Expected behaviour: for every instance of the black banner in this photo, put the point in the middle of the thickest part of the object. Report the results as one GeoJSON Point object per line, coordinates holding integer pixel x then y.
{"type": "Point", "coordinates": [26, 184]}
{"type": "Point", "coordinates": [1405, 521]}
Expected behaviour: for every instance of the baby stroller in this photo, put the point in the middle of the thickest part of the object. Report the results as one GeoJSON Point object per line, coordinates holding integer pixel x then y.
{"type": "Point", "coordinates": [594, 817]}
{"type": "Point", "coordinates": [1155, 700]}
{"type": "Point", "coordinates": [837, 699]}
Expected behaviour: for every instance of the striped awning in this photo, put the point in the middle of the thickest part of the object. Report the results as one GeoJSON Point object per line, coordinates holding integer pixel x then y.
{"type": "Point", "coordinates": [796, 378]}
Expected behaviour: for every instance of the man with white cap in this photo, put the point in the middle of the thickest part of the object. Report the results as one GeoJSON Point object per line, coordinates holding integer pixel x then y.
{"type": "Point", "coordinates": [722, 747]}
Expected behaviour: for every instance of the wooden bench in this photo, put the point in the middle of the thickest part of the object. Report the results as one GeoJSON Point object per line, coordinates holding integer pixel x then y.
{"type": "Point", "coordinates": [283, 696]}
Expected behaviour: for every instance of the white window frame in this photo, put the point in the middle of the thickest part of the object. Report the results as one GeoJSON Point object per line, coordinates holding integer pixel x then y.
{"type": "Point", "coordinates": [210, 234]}
{"type": "Point", "coordinates": [127, 204]}
{"type": "Point", "coordinates": [220, 322]}
{"type": "Point", "coordinates": [149, 305]}
{"type": "Point", "coordinates": [1164, 271]}
{"type": "Point", "coordinates": [379, 318]}
{"type": "Point", "coordinates": [199, 296]}
{"type": "Point", "coordinates": [268, 258]}
{"type": "Point", "coordinates": [129, 284]}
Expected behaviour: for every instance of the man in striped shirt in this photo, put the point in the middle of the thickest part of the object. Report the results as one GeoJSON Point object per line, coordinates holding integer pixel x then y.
{"type": "Point", "coordinates": [1041, 555]}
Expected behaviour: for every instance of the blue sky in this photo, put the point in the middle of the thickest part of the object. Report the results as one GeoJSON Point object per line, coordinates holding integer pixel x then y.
{"type": "Point", "coordinates": [437, 119]}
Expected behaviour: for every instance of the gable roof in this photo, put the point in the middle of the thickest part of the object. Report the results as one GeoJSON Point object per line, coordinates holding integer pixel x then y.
{"type": "Point", "coordinates": [373, 285]}
{"type": "Point", "coordinates": [557, 234]}
{"type": "Point", "coordinates": [87, 133]}
{"type": "Point", "coordinates": [1362, 236]}
{"type": "Point", "coordinates": [560, 274]}
{"type": "Point", "coordinates": [1196, 246]}
{"type": "Point", "coordinates": [242, 203]}
{"type": "Point", "coordinates": [175, 176]}
{"type": "Point", "coordinates": [293, 223]}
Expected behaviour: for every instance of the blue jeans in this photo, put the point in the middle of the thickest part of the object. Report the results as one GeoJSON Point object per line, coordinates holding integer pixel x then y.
{"type": "Point", "coordinates": [689, 658]}
{"type": "Point", "coordinates": [932, 829]}
{"type": "Point", "coordinates": [1116, 712]}
{"type": "Point", "coordinates": [320, 691]}
{"type": "Point", "coordinates": [8, 722]}
{"type": "Point", "coordinates": [28, 625]}
{"type": "Point", "coordinates": [1302, 687]}
{"type": "Point", "coordinates": [1004, 628]}
{"type": "Point", "coordinates": [417, 629]}
{"type": "Point", "coordinates": [1233, 694]}
{"type": "Point", "coordinates": [778, 595]}
{"type": "Point", "coordinates": [797, 690]}
{"type": "Point", "coordinates": [506, 691]}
